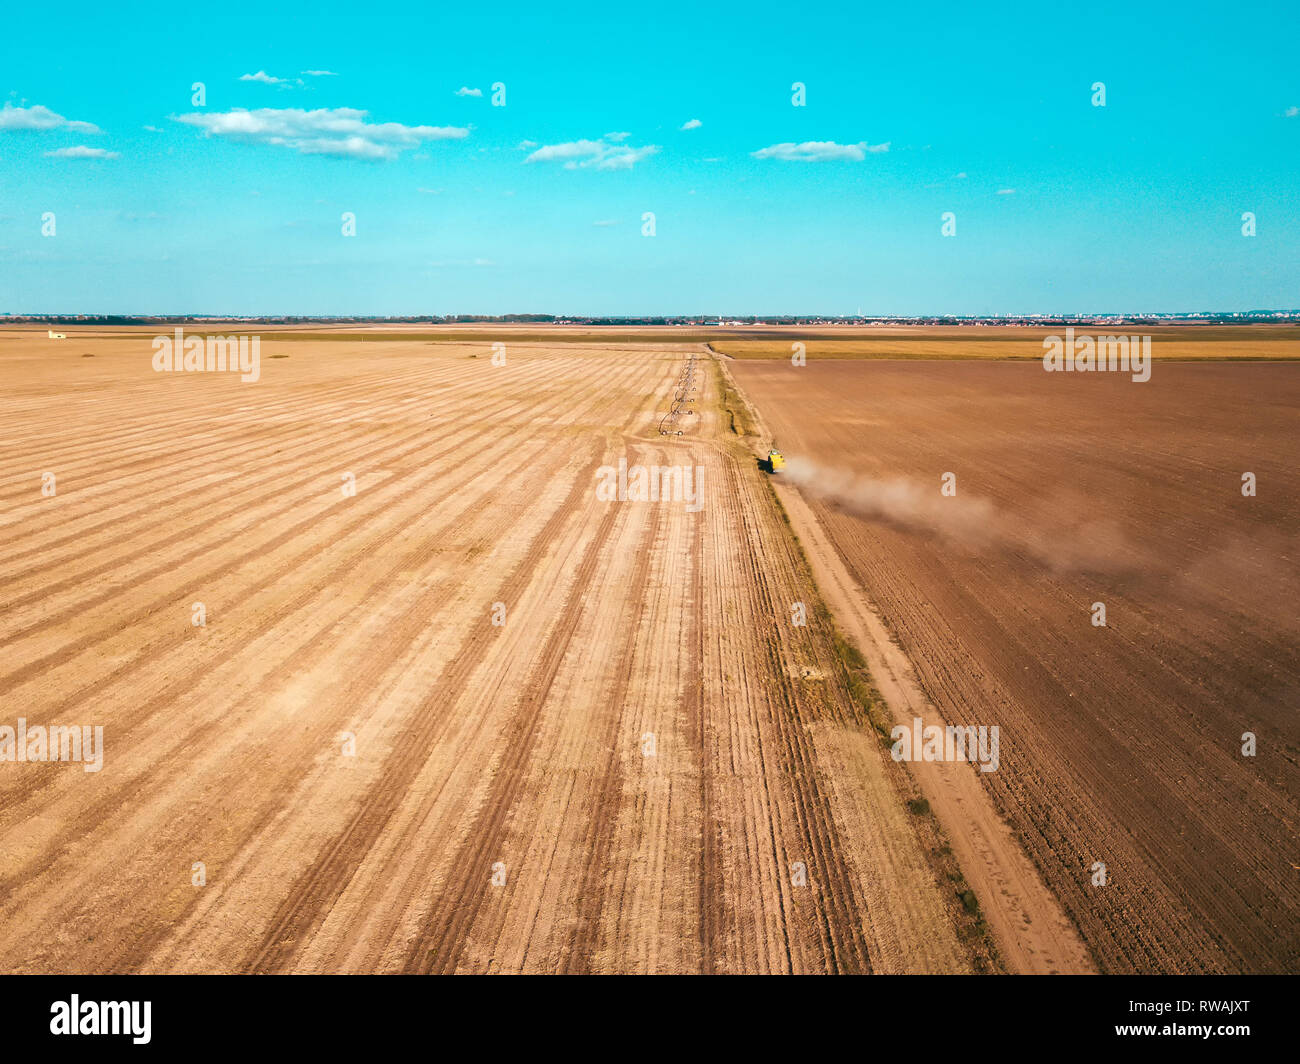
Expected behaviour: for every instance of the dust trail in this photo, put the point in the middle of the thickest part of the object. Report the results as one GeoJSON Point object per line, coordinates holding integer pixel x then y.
{"type": "Point", "coordinates": [1074, 541]}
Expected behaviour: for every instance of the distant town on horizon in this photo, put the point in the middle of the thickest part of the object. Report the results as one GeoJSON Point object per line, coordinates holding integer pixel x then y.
{"type": "Point", "coordinates": [1249, 317]}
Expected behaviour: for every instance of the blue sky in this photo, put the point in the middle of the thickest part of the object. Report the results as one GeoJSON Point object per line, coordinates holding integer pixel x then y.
{"type": "Point", "coordinates": [463, 207]}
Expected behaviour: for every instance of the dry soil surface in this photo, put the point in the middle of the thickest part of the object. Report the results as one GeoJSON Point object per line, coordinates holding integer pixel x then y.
{"type": "Point", "coordinates": [1124, 745]}
{"type": "Point", "coordinates": [469, 716]}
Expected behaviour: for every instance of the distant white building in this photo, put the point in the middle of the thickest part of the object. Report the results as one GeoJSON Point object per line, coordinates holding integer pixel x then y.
{"type": "Point", "coordinates": [55, 336]}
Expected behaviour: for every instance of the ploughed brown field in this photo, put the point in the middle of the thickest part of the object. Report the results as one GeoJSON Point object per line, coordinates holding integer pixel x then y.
{"type": "Point", "coordinates": [1121, 745]}
{"type": "Point", "coordinates": [1184, 342]}
{"type": "Point", "coordinates": [645, 766]}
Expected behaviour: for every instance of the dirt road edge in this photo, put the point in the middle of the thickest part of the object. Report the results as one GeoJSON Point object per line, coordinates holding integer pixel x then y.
{"type": "Point", "coordinates": [1032, 933]}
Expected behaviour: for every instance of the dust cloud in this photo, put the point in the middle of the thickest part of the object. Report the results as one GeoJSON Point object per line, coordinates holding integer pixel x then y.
{"type": "Point", "coordinates": [1072, 540]}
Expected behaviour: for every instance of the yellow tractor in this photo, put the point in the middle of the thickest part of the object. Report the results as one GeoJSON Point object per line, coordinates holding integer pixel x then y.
{"type": "Point", "coordinates": [775, 460]}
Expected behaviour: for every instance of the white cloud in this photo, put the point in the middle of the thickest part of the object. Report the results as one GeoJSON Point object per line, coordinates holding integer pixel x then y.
{"type": "Point", "coordinates": [1006, 192]}
{"type": "Point", "coordinates": [961, 176]}
{"type": "Point", "coordinates": [605, 223]}
{"type": "Point", "coordinates": [341, 131]}
{"type": "Point", "coordinates": [430, 191]}
{"type": "Point", "coordinates": [152, 129]}
{"type": "Point", "coordinates": [320, 73]}
{"type": "Point", "coordinates": [81, 152]}
{"type": "Point", "coordinates": [527, 145]}
{"type": "Point", "coordinates": [569, 150]}
{"type": "Point", "coordinates": [267, 79]}
{"type": "Point", "coordinates": [465, 90]}
{"type": "Point", "coordinates": [604, 154]}
{"type": "Point", "coordinates": [694, 123]}
{"type": "Point", "coordinates": [38, 117]}
{"type": "Point", "coordinates": [820, 151]}
{"type": "Point", "coordinates": [1291, 112]}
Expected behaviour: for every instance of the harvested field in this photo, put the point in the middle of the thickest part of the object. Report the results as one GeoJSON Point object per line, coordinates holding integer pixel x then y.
{"type": "Point", "coordinates": [1178, 342]}
{"type": "Point", "coordinates": [349, 766]}
{"type": "Point", "coordinates": [1120, 744]}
